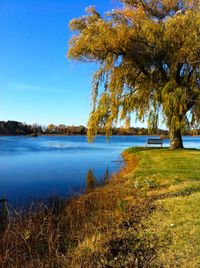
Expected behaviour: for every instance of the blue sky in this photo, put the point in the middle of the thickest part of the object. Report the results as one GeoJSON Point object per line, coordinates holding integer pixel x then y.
{"type": "Point", "coordinates": [37, 82]}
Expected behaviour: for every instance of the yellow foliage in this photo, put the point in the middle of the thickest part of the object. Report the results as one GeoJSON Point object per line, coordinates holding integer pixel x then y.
{"type": "Point", "coordinates": [149, 61]}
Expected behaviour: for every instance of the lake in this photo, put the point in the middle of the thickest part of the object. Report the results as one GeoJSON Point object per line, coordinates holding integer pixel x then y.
{"type": "Point", "coordinates": [34, 168]}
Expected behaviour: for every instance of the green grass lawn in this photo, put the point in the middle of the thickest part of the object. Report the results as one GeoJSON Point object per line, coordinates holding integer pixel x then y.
{"type": "Point", "coordinates": [172, 178]}
{"type": "Point", "coordinates": [147, 215]}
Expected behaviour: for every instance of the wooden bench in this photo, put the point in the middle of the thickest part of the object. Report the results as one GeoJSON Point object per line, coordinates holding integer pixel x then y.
{"type": "Point", "coordinates": [155, 141]}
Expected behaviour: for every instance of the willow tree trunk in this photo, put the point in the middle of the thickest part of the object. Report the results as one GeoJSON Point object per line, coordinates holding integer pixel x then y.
{"type": "Point", "coordinates": [176, 141]}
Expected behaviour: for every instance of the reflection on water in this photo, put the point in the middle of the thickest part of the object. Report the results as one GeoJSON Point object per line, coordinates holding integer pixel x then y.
{"type": "Point", "coordinates": [92, 181]}
{"type": "Point", "coordinates": [34, 168]}
{"type": "Point", "coordinates": [106, 176]}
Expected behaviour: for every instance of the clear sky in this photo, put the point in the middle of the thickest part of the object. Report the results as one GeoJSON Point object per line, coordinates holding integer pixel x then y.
{"type": "Point", "coordinates": [37, 82]}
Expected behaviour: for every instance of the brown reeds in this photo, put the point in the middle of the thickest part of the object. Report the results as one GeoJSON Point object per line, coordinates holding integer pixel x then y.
{"type": "Point", "coordinates": [97, 229]}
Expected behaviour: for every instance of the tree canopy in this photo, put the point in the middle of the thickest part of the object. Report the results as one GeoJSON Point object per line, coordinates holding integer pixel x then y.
{"type": "Point", "coordinates": [148, 53]}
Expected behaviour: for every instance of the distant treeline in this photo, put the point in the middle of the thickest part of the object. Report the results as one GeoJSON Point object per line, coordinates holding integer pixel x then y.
{"type": "Point", "coordinates": [18, 128]}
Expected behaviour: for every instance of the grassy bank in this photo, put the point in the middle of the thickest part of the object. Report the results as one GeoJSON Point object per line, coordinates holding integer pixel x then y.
{"type": "Point", "coordinates": [172, 179]}
{"type": "Point", "coordinates": [146, 216]}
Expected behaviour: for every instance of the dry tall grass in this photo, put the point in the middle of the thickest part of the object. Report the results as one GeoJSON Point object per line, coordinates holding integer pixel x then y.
{"type": "Point", "coordinates": [100, 228]}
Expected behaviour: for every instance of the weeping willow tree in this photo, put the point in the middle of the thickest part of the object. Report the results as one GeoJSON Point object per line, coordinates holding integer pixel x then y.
{"type": "Point", "coordinates": [148, 55]}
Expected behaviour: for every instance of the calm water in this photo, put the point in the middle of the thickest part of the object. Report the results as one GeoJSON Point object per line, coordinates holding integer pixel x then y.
{"type": "Point", "coordinates": [32, 168]}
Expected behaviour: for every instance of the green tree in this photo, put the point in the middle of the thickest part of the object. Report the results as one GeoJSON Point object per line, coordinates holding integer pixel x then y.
{"type": "Point", "coordinates": [148, 53]}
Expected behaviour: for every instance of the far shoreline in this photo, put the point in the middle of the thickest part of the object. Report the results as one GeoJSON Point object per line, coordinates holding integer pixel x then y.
{"type": "Point", "coordinates": [84, 135]}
